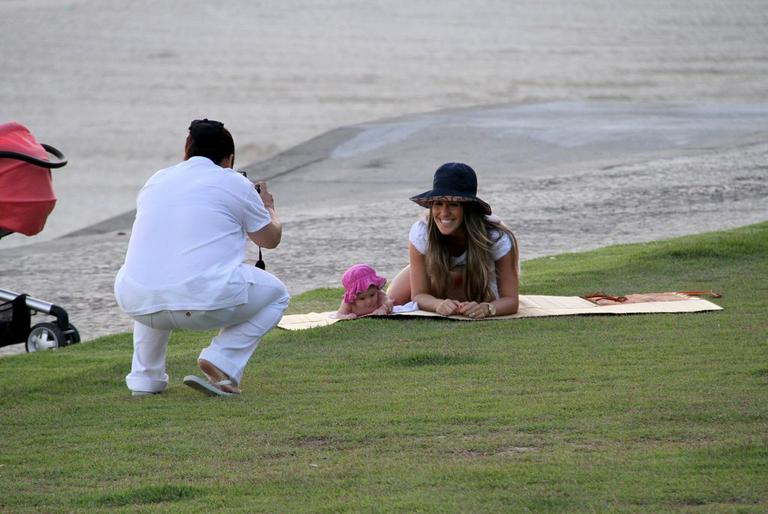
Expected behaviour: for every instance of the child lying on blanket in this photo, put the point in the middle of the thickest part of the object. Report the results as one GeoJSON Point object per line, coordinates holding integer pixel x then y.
{"type": "Point", "coordinates": [363, 294]}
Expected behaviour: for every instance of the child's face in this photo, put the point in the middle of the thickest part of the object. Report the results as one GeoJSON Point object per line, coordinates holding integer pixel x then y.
{"type": "Point", "coordinates": [368, 299]}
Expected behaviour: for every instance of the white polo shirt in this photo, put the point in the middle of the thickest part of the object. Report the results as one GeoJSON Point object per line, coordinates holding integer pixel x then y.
{"type": "Point", "coordinates": [188, 240]}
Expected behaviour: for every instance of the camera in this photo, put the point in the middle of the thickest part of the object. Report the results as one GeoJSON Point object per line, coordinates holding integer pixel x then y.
{"type": "Point", "coordinates": [258, 189]}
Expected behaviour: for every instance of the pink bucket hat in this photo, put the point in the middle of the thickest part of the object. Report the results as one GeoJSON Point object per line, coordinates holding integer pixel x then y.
{"type": "Point", "coordinates": [359, 278]}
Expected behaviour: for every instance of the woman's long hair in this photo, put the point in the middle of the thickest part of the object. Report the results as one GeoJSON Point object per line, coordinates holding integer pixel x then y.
{"type": "Point", "coordinates": [479, 267]}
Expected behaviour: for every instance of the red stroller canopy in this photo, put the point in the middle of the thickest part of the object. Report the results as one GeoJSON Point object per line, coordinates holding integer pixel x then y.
{"type": "Point", "coordinates": [26, 188]}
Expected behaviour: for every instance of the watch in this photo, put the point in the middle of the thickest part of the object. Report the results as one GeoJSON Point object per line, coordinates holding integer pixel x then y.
{"type": "Point", "coordinates": [491, 309]}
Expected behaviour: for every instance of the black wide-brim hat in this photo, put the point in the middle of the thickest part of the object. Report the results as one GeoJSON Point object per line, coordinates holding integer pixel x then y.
{"type": "Point", "coordinates": [453, 182]}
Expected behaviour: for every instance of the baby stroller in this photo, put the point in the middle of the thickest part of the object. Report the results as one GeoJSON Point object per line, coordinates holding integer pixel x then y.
{"type": "Point", "coordinates": [26, 200]}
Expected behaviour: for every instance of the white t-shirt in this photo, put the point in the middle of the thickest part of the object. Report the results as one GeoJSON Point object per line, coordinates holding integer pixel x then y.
{"type": "Point", "coordinates": [419, 238]}
{"type": "Point", "coordinates": [188, 240]}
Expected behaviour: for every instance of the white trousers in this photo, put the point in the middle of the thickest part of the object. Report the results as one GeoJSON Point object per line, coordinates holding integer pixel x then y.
{"type": "Point", "coordinates": [242, 328]}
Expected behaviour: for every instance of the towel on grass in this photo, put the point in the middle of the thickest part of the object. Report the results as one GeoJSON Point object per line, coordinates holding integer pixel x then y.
{"type": "Point", "coordinates": [536, 306]}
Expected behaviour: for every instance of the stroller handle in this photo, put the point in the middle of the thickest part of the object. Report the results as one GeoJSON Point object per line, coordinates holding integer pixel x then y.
{"type": "Point", "coordinates": [32, 303]}
{"type": "Point", "coordinates": [34, 160]}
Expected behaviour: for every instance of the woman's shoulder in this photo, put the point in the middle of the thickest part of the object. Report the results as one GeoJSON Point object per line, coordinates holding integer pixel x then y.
{"type": "Point", "coordinates": [420, 225]}
{"type": "Point", "coordinates": [497, 234]}
{"type": "Point", "coordinates": [418, 234]}
{"type": "Point", "coordinates": [502, 241]}
{"type": "Point", "coordinates": [495, 230]}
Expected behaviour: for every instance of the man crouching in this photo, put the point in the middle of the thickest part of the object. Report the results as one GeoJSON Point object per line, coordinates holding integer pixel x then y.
{"type": "Point", "coordinates": [185, 265]}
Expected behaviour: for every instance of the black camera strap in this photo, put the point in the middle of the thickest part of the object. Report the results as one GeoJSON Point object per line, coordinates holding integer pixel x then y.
{"type": "Point", "coordinates": [260, 263]}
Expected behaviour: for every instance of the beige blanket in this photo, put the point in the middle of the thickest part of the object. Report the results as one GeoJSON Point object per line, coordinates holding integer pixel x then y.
{"type": "Point", "coordinates": [537, 306]}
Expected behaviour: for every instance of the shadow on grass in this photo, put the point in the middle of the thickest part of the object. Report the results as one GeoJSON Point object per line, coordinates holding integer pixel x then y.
{"type": "Point", "coordinates": [145, 495]}
{"type": "Point", "coordinates": [431, 359]}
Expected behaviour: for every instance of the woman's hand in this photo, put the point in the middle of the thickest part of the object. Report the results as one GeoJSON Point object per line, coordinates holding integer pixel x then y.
{"type": "Point", "coordinates": [474, 310]}
{"type": "Point", "coordinates": [447, 307]}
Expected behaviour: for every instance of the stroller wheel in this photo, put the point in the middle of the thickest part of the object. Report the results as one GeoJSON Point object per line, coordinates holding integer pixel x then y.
{"type": "Point", "coordinates": [44, 336]}
{"type": "Point", "coordinates": [71, 335]}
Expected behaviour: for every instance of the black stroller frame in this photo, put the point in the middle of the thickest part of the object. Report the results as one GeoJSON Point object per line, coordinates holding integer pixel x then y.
{"type": "Point", "coordinates": [16, 313]}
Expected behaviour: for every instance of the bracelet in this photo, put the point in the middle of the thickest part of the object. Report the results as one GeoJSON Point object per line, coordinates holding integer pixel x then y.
{"type": "Point", "coordinates": [491, 310]}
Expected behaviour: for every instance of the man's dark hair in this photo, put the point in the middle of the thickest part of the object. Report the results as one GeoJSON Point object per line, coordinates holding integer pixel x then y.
{"type": "Point", "coordinates": [209, 138]}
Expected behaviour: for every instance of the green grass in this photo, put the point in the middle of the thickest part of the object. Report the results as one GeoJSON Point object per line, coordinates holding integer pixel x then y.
{"type": "Point", "coordinates": [644, 413]}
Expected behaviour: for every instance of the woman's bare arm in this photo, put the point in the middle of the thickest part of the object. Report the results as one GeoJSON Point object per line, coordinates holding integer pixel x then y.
{"type": "Point", "coordinates": [509, 282]}
{"type": "Point", "coordinates": [420, 287]}
{"type": "Point", "coordinates": [508, 302]}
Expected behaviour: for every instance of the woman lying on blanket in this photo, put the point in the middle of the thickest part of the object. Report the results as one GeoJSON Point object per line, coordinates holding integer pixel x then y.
{"type": "Point", "coordinates": [462, 259]}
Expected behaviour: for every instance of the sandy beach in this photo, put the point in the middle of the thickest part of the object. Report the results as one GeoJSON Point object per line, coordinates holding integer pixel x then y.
{"type": "Point", "coordinates": [608, 123]}
{"type": "Point", "coordinates": [115, 84]}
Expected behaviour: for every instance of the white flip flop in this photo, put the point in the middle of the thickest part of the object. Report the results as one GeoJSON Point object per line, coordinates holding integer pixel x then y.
{"type": "Point", "coordinates": [208, 388]}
